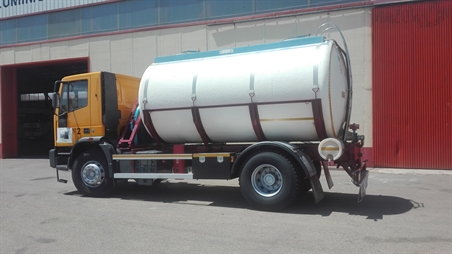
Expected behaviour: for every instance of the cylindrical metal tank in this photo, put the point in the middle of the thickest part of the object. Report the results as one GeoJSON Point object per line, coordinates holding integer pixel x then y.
{"type": "Point", "coordinates": [294, 90]}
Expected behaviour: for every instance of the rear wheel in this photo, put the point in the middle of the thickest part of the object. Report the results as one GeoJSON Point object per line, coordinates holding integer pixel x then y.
{"type": "Point", "coordinates": [90, 174]}
{"type": "Point", "coordinates": [269, 181]}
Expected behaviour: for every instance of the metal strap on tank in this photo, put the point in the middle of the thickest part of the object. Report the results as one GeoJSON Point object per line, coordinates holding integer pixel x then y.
{"type": "Point", "coordinates": [252, 86]}
{"type": "Point", "coordinates": [318, 118]}
{"type": "Point", "coordinates": [315, 73]}
{"type": "Point", "coordinates": [145, 90]}
{"type": "Point", "coordinates": [193, 89]}
{"type": "Point", "coordinates": [255, 121]}
{"type": "Point", "coordinates": [199, 127]}
{"type": "Point", "coordinates": [148, 123]}
{"type": "Point", "coordinates": [196, 116]}
{"type": "Point", "coordinates": [254, 113]}
{"type": "Point", "coordinates": [147, 116]}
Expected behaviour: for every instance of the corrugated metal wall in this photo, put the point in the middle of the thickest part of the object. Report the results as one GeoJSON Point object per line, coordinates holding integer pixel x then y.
{"type": "Point", "coordinates": [412, 85]}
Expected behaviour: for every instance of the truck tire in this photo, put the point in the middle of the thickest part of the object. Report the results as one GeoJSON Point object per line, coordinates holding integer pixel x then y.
{"type": "Point", "coordinates": [269, 181]}
{"type": "Point", "coordinates": [90, 174]}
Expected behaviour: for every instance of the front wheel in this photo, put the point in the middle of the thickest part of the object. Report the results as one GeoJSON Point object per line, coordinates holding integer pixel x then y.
{"type": "Point", "coordinates": [90, 174]}
{"type": "Point", "coordinates": [269, 181]}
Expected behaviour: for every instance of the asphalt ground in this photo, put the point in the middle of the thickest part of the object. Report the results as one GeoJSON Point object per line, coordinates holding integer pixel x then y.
{"type": "Point", "coordinates": [405, 211]}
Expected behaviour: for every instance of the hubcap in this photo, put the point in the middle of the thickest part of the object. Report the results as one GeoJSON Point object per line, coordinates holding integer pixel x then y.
{"type": "Point", "coordinates": [93, 174]}
{"type": "Point", "coordinates": [267, 180]}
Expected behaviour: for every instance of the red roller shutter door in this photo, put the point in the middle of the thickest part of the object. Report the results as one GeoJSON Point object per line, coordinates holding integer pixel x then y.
{"type": "Point", "coordinates": [412, 85]}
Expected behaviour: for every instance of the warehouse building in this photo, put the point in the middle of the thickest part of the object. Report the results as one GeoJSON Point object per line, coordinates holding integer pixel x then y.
{"type": "Point", "coordinates": [400, 52]}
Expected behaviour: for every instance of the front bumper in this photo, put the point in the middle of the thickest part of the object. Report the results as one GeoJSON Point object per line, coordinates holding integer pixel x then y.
{"type": "Point", "coordinates": [52, 158]}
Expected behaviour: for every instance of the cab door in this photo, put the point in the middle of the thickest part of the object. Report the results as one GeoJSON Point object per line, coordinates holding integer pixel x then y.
{"type": "Point", "coordinates": [74, 113]}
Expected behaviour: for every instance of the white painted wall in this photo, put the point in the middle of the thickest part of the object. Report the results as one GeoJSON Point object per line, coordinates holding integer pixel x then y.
{"type": "Point", "coordinates": [131, 53]}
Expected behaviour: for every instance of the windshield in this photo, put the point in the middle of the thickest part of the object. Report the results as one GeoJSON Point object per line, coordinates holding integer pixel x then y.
{"type": "Point", "coordinates": [74, 96]}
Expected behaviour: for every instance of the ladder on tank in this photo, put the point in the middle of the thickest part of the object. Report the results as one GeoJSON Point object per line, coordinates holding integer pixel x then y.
{"type": "Point", "coordinates": [129, 133]}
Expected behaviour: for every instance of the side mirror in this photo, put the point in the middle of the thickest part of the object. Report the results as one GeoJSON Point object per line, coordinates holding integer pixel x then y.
{"type": "Point", "coordinates": [55, 100]}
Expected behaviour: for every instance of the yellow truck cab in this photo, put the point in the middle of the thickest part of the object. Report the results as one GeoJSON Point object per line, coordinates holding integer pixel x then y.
{"type": "Point", "coordinates": [89, 107]}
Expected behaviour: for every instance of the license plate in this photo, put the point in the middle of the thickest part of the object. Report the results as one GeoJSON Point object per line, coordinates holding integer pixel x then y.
{"type": "Point", "coordinates": [363, 185]}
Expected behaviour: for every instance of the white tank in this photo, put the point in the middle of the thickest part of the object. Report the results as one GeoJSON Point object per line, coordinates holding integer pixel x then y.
{"type": "Point", "coordinates": [295, 90]}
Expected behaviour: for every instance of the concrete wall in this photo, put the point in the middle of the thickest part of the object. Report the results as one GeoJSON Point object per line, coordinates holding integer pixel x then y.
{"type": "Point", "coordinates": [131, 53]}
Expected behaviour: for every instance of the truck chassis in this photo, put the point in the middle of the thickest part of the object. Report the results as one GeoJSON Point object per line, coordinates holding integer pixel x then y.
{"type": "Point", "coordinates": [271, 174]}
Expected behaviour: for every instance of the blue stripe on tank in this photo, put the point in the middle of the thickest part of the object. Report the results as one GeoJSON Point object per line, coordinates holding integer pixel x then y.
{"type": "Point", "coordinates": [294, 42]}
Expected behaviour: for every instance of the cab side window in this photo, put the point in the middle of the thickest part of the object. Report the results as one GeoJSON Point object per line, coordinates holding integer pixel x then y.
{"type": "Point", "coordinates": [74, 95]}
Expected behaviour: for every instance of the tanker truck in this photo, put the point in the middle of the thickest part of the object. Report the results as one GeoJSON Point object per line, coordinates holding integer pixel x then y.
{"type": "Point", "coordinates": [271, 115]}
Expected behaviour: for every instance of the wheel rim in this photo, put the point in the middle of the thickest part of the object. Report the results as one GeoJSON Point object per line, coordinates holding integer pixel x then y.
{"type": "Point", "coordinates": [93, 174]}
{"type": "Point", "coordinates": [267, 180]}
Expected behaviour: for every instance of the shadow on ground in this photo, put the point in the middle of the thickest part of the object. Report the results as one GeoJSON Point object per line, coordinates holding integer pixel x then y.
{"type": "Point", "coordinates": [372, 207]}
